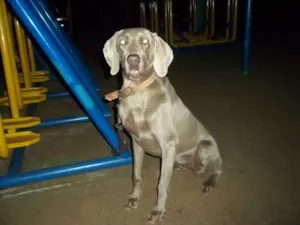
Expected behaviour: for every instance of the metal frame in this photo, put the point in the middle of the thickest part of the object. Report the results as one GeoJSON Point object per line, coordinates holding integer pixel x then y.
{"type": "Point", "coordinates": [167, 34]}
{"type": "Point", "coordinates": [68, 62]}
{"type": "Point", "coordinates": [187, 39]}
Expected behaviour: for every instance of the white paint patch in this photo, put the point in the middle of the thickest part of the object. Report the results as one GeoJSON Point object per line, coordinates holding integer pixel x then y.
{"type": "Point", "coordinates": [17, 192]}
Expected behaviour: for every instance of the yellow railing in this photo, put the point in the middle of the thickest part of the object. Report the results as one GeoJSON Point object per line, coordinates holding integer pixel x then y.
{"type": "Point", "coordinates": [16, 48]}
{"type": "Point", "coordinates": [205, 38]}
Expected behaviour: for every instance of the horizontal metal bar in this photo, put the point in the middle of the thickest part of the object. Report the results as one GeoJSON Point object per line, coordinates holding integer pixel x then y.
{"type": "Point", "coordinates": [66, 170]}
{"type": "Point", "coordinates": [52, 95]}
{"type": "Point", "coordinates": [17, 158]}
{"type": "Point", "coordinates": [64, 121]}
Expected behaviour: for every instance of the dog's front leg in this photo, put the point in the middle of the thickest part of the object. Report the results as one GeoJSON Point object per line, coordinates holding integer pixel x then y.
{"type": "Point", "coordinates": [168, 157]}
{"type": "Point", "coordinates": [134, 197]}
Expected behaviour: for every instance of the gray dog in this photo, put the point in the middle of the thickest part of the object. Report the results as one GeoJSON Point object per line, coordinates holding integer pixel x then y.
{"type": "Point", "coordinates": [156, 118]}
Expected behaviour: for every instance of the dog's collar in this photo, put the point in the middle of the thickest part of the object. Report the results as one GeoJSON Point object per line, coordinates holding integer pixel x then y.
{"type": "Point", "coordinates": [128, 91]}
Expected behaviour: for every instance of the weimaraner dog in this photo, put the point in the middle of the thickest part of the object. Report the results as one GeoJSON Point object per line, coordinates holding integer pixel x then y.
{"type": "Point", "coordinates": [156, 118]}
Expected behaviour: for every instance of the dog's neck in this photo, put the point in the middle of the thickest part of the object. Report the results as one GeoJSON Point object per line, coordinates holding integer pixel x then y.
{"type": "Point", "coordinates": [129, 87]}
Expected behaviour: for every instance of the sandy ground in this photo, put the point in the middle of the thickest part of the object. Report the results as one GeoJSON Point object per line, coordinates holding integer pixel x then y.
{"type": "Point", "coordinates": [255, 120]}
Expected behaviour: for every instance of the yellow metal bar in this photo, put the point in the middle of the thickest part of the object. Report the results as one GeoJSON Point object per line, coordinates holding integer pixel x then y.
{"type": "Point", "coordinates": [171, 21]}
{"type": "Point", "coordinates": [212, 18]}
{"type": "Point", "coordinates": [11, 48]}
{"type": "Point", "coordinates": [23, 53]}
{"type": "Point", "coordinates": [195, 43]}
{"type": "Point", "coordinates": [3, 145]}
{"type": "Point", "coordinates": [152, 18]}
{"type": "Point", "coordinates": [22, 122]}
{"type": "Point", "coordinates": [21, 139]}
{"type": "Point", "coordinates": [143, 14]}
{"type": "Point", "coordinates": [70, 15]}
{"type": "Point", "coordinates": [31, 55]}
{"type": "Point", "coordinates": [8, 63]}
{"type": "Point", "coordinates": [207, 17]}
{"type": "Point", "coordinates": [235, 19]}
{"type": "Point", "coordinates": [166, 21]}
{"type": "Point", "coordinates": [156, 16]}
{"type": "Point", "coordinates": [36, 79]}
{"type": "Point", "coordinates": [32, 97]}
{"type": "Point", "coordinates": [191, 15]}
{"type": "Point", "coordinates": [195, 16]}
{"type": "Point", "coordinates": [228, 18]}
{"type": "Point", "coordinates": [10, 24]}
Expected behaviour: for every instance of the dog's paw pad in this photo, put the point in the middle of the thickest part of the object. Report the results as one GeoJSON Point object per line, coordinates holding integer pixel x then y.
{"type": "Point", "coordinates": [206, 189]}
{"type": "Point", "coordinates": [132, 203]}
{"type": "Point", "coordinates": [155, 216]}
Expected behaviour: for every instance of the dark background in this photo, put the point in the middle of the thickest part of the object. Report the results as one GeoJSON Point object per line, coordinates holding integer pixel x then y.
{"type": "Point", "coordinates": [271, 20]}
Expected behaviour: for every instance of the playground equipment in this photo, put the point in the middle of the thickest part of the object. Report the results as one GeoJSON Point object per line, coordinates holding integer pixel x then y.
{"type": "Point", "coordinates": [64, 14]}
{"type": "Point", "coordinates": [200, 23]}
{"type": "Point", "coordinates": [24, 91]}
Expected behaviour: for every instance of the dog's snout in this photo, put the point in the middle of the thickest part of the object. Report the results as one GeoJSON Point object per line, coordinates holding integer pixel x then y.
{"type": "Point", "coordinates": [133, 59]}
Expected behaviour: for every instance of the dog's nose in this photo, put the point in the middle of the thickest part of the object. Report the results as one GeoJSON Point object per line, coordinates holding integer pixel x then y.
{"type": "Point", "coordinates": [133, 59]}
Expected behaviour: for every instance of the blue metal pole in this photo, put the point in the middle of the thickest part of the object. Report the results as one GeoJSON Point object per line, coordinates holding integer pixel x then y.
{"type": "Point", "coordinates": [247, 38]}
{"type": "Point", "coordinates": [65, 170]}
{"type": "Point", "coordinates": [64, 121]}
{"type": "Point", "coordinates": [16, 161]}
{"type": "Point", "coordinates": [70, 50]}
{"type": "Point", "coordinates": [55, 95]}
{"type": "Point", "coordinates": [53, 51]}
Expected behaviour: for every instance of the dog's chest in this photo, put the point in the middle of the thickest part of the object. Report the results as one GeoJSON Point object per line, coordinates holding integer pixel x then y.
{"type": "Point", "coordinates": [131, 113]}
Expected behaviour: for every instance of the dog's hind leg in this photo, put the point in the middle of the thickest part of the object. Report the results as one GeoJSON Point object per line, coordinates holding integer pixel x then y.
{"type": "Point", "coordinates": [210, 161]}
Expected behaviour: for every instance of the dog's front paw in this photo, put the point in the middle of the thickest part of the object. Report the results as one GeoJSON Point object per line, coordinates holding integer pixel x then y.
{"type": "Point", "coordinates": [206, 188]}
{"type": "Point", "coordinates": [155, 216]}
{"type": "Point", "coordinates": [132, 202]}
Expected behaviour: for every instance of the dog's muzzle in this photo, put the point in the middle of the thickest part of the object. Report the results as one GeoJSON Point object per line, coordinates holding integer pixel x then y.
{"type": "Point", "coordinates": [133, 61]}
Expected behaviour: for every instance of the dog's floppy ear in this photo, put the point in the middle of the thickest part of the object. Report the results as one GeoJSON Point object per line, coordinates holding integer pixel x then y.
{"type": "Point", "coordinates": [110, 54]}
{"type": "Point", "coordinates": [163, 56]}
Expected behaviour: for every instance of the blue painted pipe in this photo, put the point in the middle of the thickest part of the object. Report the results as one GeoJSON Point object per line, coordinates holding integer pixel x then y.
{"type": "Point", "coordinates": [54, 95]}
{"type": "Point", "coordinates": [64, 121]}
{"type": "Point", "coordinates": [247, 38]}
{"type": "Point", "coordinates": [65, 170]}
{"type": "Point", "coordinates": [16, 161]}
{"type": "Point", "coordinates": [43, 37]}
{"type": "Point", "coordinates": [71, 51]}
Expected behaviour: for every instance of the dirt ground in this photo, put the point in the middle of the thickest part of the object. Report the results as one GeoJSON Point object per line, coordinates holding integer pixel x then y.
{"type": "Point", "coordinates": [254, 119]}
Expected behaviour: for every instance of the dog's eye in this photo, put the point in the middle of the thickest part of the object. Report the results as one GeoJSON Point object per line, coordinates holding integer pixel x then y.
{"type": "Point", "coordinates": [122, 42]}
{"type": "Point", "coordinates": [145, 41]}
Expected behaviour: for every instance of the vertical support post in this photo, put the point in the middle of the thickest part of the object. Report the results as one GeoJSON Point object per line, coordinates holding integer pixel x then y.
{"type": "Point", "coordinates": [10, 69]}
{"type": "Point", "coordinates": [169, 22]}
{"type": "Point", "coordinates": [23, 53]}
{"type": "Point", "coordinates": [31, 55]}
{"type": "Point", "coordinates": [143, 14]}
{"type": "Point", "coordinates": [247, 38]}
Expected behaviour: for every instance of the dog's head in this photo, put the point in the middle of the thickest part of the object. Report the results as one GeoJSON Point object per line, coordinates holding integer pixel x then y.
{"type": "Point", "coordinates": [140, 52]}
